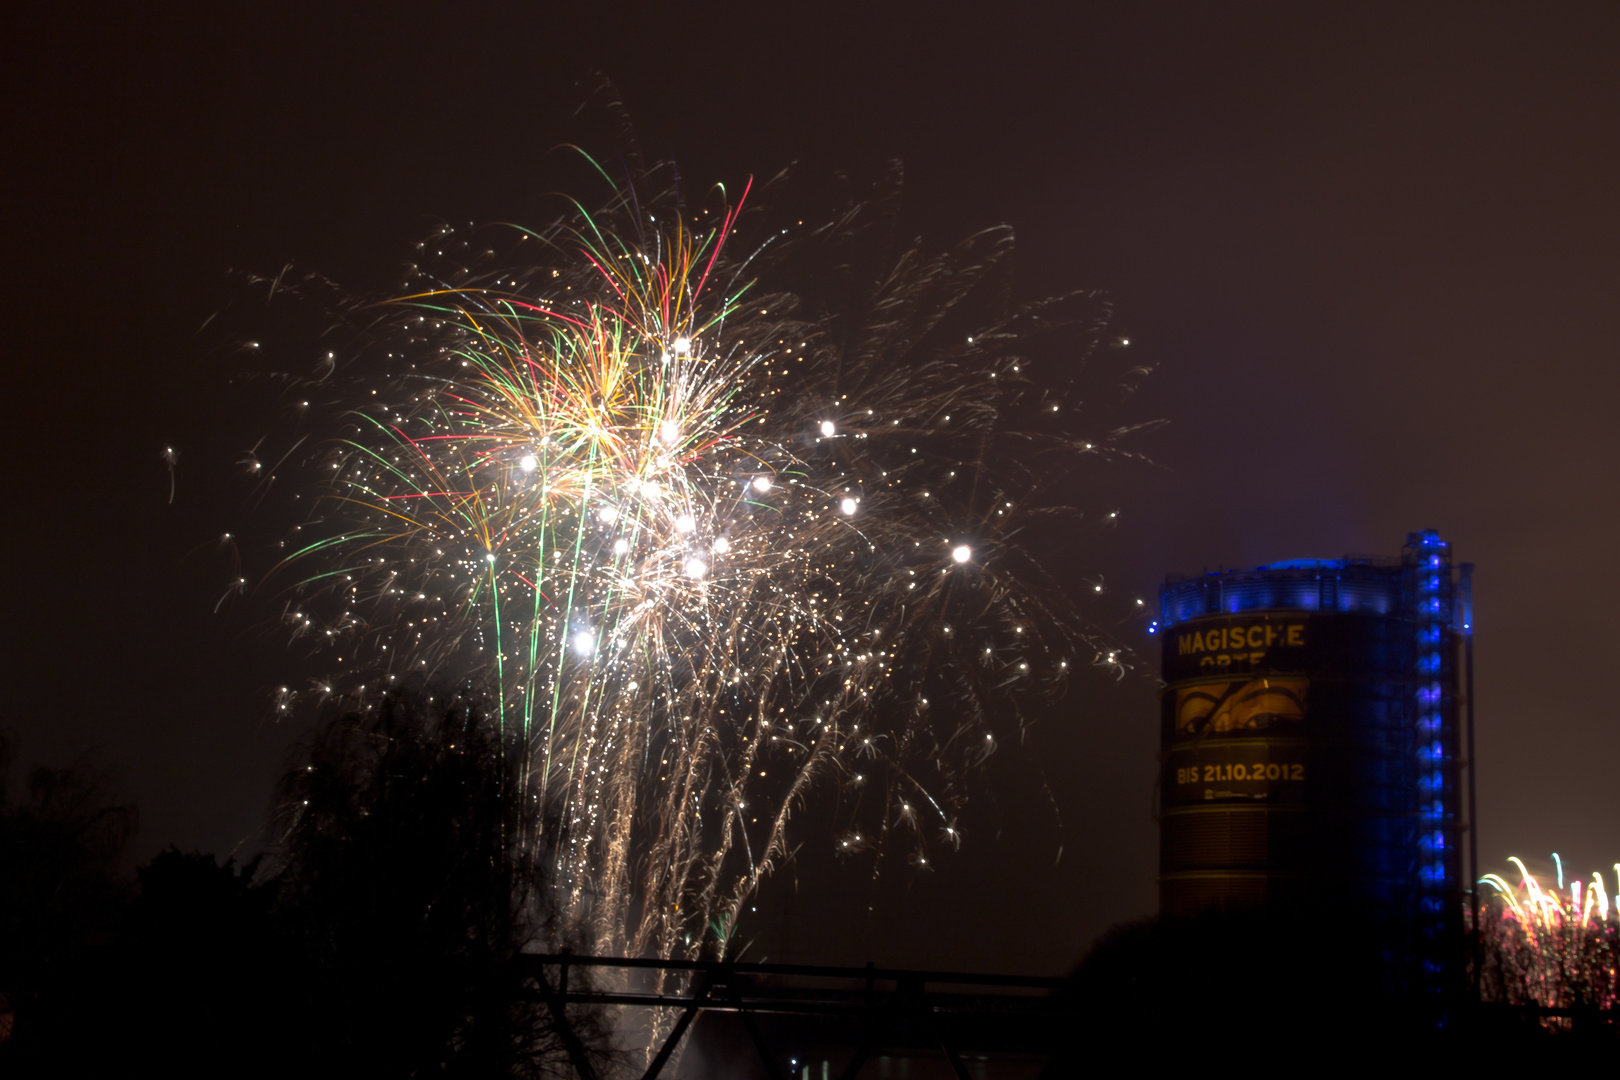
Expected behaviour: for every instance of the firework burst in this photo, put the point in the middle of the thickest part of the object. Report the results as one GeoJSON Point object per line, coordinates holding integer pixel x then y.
{"type": "Point", "coordinates": [724, 511]}
{"type": "Point", "coordinates": [1552, 947]}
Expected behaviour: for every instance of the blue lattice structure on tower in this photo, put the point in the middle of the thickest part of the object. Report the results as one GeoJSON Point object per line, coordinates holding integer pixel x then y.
{"type": "Point", "coordinates": [1311, 748]}
{"type": "Point", "coordinates": [1430, 598]}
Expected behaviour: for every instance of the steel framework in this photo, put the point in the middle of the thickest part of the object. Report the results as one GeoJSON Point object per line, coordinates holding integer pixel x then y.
{"type": "Point", "coordinates": [952, 1012]}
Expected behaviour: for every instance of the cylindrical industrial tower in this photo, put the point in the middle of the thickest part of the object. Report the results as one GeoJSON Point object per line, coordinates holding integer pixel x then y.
{"type": "Point", "coordinates": [1310, 746]}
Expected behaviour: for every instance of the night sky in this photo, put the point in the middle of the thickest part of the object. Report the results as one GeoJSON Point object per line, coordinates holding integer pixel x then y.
{"type": "Point", "coordinates": [1372, 251]}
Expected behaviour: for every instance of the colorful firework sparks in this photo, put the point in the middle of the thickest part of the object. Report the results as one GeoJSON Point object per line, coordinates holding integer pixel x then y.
{"type": "Point", "coordinates": [1552, 947]}
{"type": "Point", "coordinates": [718, 541]}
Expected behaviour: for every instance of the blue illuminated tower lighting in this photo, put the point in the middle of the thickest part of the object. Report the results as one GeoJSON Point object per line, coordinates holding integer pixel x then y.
{"type": "Point", "coordinates": [1432, 607]}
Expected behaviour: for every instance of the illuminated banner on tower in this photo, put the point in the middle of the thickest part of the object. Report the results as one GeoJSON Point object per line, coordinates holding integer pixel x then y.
{"type": "Point", "coordinates": [1235, 645]}
{"type": "Point", "coordinates": [1244, 706]}
{"type": "Point", "coordinates": [1235, 709]}
{"type": "Point", "coordinates": [1242, 739]}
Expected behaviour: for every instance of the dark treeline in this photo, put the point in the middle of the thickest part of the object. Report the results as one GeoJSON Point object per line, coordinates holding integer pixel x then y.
{"type": "Point", "coordinates": [1268, 993]}
{"type": "Point", "coordinates": [373, 939]}
{"type": "Point", "coordinates": [405, 871]}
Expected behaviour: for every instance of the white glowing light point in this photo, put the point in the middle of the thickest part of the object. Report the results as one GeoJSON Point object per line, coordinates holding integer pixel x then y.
{"type": "Point", "coordinates": [609, 514]}
{"type": "Point", "coordinates": [528, 463]}
{"type": "Point", "coordinates": [961, 553]}
{"type": "Point", "coordinates": [696, 568]}
{"type": "Point", "coordinates": [682, 346]}
{"type": "Point", "coordinates": [585, 642]}
{"type": "Point", "coordinates": [648, 489]}
{"type": "Point", "coordinates": [490, 557]}
{"type": "Point", "coordinates": [721, 545]}
{"type": "Point", "coordinates": [685, 524]}
{"type": "Point", "coordinates": [669, 432]}
{"type": "Point", "coordinates": [620, 546]}
{"type": "Point", "coordinates": [762, 483]}
{"type": "Point", "coordinates": [827, 429]}
{"type": "Point", "coordinates": [847, 506]}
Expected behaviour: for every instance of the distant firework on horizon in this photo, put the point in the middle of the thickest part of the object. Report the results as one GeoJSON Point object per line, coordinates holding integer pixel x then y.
{"type": "Point", "coordinates": [1553, 947]}
{"type": "Point", "coordinates": [725, 515]}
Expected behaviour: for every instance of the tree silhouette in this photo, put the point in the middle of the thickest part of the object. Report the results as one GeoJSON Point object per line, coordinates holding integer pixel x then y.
{"type": "Point", "coordinates": [60, 893]}
{"type": "Point", "coordinates": [377, 937]}
{"type": "Point", "coordinates": [409, 875]}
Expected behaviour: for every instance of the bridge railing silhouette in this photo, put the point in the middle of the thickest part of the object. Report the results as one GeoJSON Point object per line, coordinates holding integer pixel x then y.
{"type": "Point", "coordinates": [950, 1012]}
